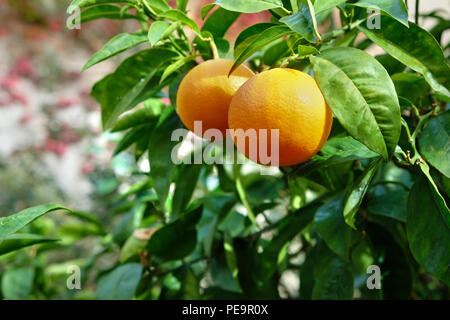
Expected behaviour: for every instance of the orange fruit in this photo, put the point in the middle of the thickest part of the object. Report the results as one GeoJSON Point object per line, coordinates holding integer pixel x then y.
{"type": "Point", "coordinates": [285, 99]}
{"type": "Point", "coordinates": [205, 94]}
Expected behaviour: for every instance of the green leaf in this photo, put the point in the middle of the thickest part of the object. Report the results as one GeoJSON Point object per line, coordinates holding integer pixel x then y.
{"type": "Point", "coordinates": [146, 115]}
{"type": "Point", "coordinates": [411, 86]}
{"type": "Point", "coordinates": [266, 37]}
{"type": "Point", "coordinates": [306, 50]}
{"type": "Point", "coordinates": [184, 188]}
{"type": "Point", "coordinates": [324, 5]}
{"type": "Point", "coordinates": [391, 204]}
{"type": "Point", "coordinates": [176, 66]}
{"type": "Point", "coordinates": [15, 222]}
{"type": "Point", "coordinates": [121, 283]}
{"type": "Point", "coordinates": [434, 143]}
{"type": "Point", "coordinates": [116, 45]}
{"type": "Point", "coordinates": [176, 240]}
{"type": "Point", "coordinates": [18, 241]}
{"type": "Point", "coordinates": [176, 15]}
{"type": "Point", "coordinates": [219, 22]}
{"type": "Point", "coordinates": [335, 151]}
{"type": "Point", "coordinates": [416, 48]}
{"type": "Point", "coordinates": [160, 153]}
{"type": "Point", "coordinates": [17, 283]}
{"type": "Point", "coordinates": [105, 12]}
{"type": "Point", "coordinates": [206, 9]}
{"type": "Point", "coordinates": [303, 22]}
{"type": "Point", "coordinates": [159, 30]}
{"type": "Point", "coordinates": [124, 88]}
{"type": "Point", "coordinates": [158, 6]}
{"type": "Point", "coordinates": [249, 6]}
{"type": "Point", "coordinates": [333, 277]}
{"type": "Point", "coordinates": [132, 136]}
{"type": "Point", "coordinates": [357, 192]}
{"type": "Point", "coordinates": [428, 233]}
{"type": "Point", "coordinates": [393, 8]}
{"type": "Point", "coordinates": [331, 225]}
{"type": "Point", "coordinates": [253, 30]}
{"type": "Point", "coordinates": [182, 4]}
{"type": "Point", "coordinates": [88, 3]}
{"type": "Point", "coordinates": [362, 97]}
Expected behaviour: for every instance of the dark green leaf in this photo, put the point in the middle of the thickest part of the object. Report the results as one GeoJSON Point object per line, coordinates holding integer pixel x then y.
{"type": "Point", "coordinates": [177, 239]}
{"type": "Point", "coordinates": [331, 225]}
{"type": "Point", "coordinates": [219, 22]}
{"type": "Point", "coordinates": [105, 12]}
{"type": "Point", "coordinates": [206, 9]}
{"type": "Point", "coordinates": [121, 283]}
{"type": "Point", "coordinates": [160, 153]}
{"type": "Point", "coordinates": [394, 8]}
{"type": "Point", "coordinates": [146, 115]}
{"type": "Point", "coordinates": [266, 37]}
{"type": "Point", "coordinates": [184, 188]}
{"type": "Point", "coordinates": [428, 233]}
{"type": "Point", "coordinates": [133, 136]}
{"type": "Point", "coordinates": [362, 97]}
{"type": "Point", "coordinates": [411, 86]}
{"type": "Point", "coordinates": [391, 204]}
{"type": "Point", "coordinates": [18, 241]}
{"type": "Point", "coordinates": [434, 143]}
{"type": "Point", "coordinates": [116, 45]}
{"type": "Point", "coordinates": [357, 192]}
{"type": "Point", "coordinates": [253, 30]}
{"type": "Point", "coordinates": [416, 48]}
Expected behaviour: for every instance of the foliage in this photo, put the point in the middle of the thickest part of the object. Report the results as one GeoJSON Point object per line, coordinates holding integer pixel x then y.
{"type": "Point", "coordinates": [376, 193]}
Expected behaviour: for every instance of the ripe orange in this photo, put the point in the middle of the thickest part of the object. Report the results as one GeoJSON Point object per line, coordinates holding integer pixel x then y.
{"type": "Point", "coordinates": [206, 91]}
{"type": "Point", "coordinates": [284, 99]}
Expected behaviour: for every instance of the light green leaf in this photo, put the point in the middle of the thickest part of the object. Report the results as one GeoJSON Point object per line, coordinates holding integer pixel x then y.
{"type": "Point", "coordinates": [324, 5]}
{"type": "Point", "coordinates": [88, 3]}
{"type": "Point", "coordinates": [219, 22]}
{"type": "Point", "coordinates": [159, 30]}
{"type": "Point", "coordinates": [176, 15]}
{"type": "Point", "coordinates": [177, 65]}
{"type": "Point", "coordinates": [303, 22]}
{"type": "Point", "coordinates": [249, 6]}
{"type": "Point", "coordinates": [362, 97]}
{"type": "Point", "coordinates": [17, 283]}
{"type": "Point", "coordinates": [15, 222]}
{"type": "Point", "coordinates": [18, 241]}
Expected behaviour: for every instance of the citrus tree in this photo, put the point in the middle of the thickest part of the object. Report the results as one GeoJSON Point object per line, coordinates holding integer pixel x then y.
{"type": "Point", "coordinates": [364, 216]}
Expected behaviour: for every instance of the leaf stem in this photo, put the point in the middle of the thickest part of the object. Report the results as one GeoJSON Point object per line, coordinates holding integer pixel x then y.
{"type": "Point", "coordinates": [417, 12]}
{"type": "Point", "coordinates": [242, 194]}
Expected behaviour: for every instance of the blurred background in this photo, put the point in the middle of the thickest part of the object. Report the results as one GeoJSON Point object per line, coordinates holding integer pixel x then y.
{"type": "Point", "coordinates": [52, 148]}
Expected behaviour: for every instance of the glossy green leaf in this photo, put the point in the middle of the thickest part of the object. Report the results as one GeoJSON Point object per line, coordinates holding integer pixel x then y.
{"type": "Point", "coordinates": [333, 277]}
{"type": "Point", "coordinates": [253, 30]}
{"type": "Point", "coordinates": [219, 22]}
{"type": "Point", "coordinates": [416, 48]}
{"type": "Point", "coordinates": [182, 4]}
{"type": "Point", "coordinates": [335, 151]}
{"type": "Point", "coordinates": [428, 233]}
{"type": "Point", "coordinates": [303, 22]}
{"type": "Point", "coordinates": [362, 97]}
{"type": "Point", "coordinates": [121, 283]}
{"type": "Point", "coordinates": [357, 192]}
{"type": "Point", "coordinates": [249, 6]}
{"type": "Point", "coordinates": [158, 6]}
{"type": "Point", "coordinates": [266, 37]}
{"type": "Point", "coordinates": [176, 15]}
{"type": "Point", "coordinates": [330, 224]}
{"type": "Point", "coordinates": [18, 241]}
{"type": "Point", "coordinates": [105, 12]}
{"type": "Point", "coordinates": [411, 86]}
{"type": "Point", "coordinates": [15, 222]}
{"type": "Point", "coordinates": [184, 188]}
{"type": "Point", "coordinates": [394, 8]}
{"type": "Point", "coordinates": [160, 153]}
{"type": "Point", "coordinates": [391, 204]}
{"type": "Point", "coordinates": [124, 88]}
{"type": "Point", "coordinates": [177, 239]}
{"type": "Point", "coordinates": [116, 45]}
{"type": "Point", "coordinates": [133, 136]}
{"type": "Point", "coordinates": [434, 143]}
{"type": "Point", "coordinates": [324, 5]}
{"type": "Point", "coordinates": [17, 283]}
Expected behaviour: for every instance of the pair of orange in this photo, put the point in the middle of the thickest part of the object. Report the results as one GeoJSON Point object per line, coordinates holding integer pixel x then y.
{"type": "Point", "coordinates": [285, 99]}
